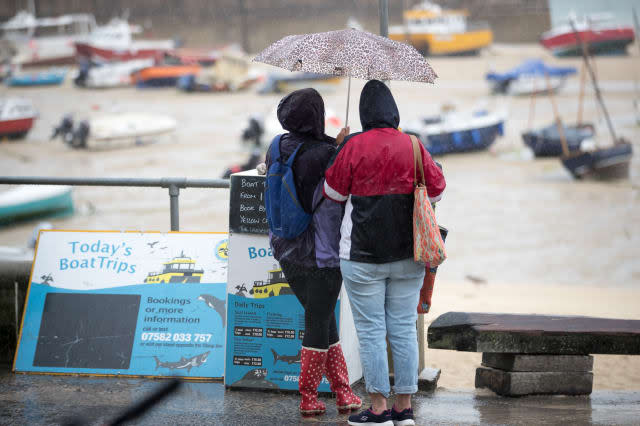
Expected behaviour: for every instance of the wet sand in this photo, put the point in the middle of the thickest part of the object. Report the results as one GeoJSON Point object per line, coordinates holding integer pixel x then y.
{"type": "Point", "coordinates": [542, 242]}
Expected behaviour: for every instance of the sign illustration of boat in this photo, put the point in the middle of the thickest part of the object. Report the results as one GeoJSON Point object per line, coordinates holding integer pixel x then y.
{"type": "Point", "coordinates": [16, 117]}
{"type": "Point", "coordinates": [453, 132]}
{"type": "Point", "coordinates": [434, 31]}
{"type": "Point", "coordinates": [180, 269]}
{"type": "Point", "coordinates": [276, 285]}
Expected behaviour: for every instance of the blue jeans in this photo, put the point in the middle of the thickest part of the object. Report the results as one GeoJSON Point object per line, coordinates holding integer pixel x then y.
{"type": "Point", "coordinates": [384, 299]}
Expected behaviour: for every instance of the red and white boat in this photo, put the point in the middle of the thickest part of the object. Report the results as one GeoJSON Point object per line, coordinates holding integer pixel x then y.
{"type": "Point", "coordinates": [16, 117]}
{"type": "Point", "coordinates": [44, 41]}
{"type": "Point", "coordinates": [114, 42]}
{"type": "Point", "coordinates": [602, 35]}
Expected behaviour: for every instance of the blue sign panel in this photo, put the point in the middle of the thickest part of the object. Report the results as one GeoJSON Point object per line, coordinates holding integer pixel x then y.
{"type": "Point", "coordinates": [113, 303]}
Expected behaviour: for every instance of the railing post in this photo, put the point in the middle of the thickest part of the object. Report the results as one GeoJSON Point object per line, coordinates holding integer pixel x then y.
{"type": "Point", "coordinates": [174, 194]}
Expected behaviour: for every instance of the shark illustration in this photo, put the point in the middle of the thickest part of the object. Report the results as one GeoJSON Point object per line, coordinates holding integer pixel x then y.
{"type": "Point", "coordinates": [217, 304]}
{"type": "Point", "coordinates": [256, 378]}
{"type": "Point", "coordinates": [289, 359]}
{"type": "Point", "coordinates": [188, 363]}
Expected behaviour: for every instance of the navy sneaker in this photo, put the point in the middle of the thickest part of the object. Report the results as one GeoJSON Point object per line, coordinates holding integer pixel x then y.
{"type": "Point", "coordinates": [369, 418]}
{"type": "Point", "coordinates": [402, 418]}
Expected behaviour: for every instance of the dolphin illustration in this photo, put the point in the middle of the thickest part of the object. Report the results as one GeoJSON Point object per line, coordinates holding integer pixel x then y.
{"type": "Point", "coordinates": [256, 378]}
{"type": "Point", "coordinates": [188, 363]}
{"type": "Point", "coordinates": [217, 304]}
{"type": "Point", "coordinates": [289, 359]}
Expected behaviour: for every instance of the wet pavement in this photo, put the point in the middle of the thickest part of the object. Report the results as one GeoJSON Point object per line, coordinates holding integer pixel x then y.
{"type": "Point", "coordinates": [41, 399]}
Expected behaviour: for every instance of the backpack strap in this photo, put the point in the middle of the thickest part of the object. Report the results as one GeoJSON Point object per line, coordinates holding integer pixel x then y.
{"type": "Point", "coordinates": [293, 156]}
{"type": "Point", "coordinates": [275, 148]}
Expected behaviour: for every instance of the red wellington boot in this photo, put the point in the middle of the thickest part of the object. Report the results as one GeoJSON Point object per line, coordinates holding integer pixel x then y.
{"type": "Point", "coordinates": [336, 372]}
{"type": "Point", "coordinates": [311, 369]}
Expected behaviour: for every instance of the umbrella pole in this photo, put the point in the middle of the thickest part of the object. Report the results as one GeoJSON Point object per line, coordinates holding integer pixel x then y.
{"type": "Point", "coordinates": [346, 120]}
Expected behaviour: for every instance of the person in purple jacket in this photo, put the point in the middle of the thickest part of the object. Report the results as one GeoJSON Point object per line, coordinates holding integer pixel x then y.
{"type": "Point", "coordinates": [310, 261]}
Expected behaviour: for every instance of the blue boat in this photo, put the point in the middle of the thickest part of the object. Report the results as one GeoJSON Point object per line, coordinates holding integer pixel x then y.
{"type": "Point", "coordinates": [546, 142]}
{"type": "Point", "coordinates": [531, 77]}
{"type": "Point", "coordinates": [457, 132]}
{"type": "Point", "coordinates": [43, 78]}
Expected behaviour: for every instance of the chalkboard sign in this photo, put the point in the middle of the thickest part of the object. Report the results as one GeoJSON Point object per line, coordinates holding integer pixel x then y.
{"type": "Point", "coordinates": [247, 213]}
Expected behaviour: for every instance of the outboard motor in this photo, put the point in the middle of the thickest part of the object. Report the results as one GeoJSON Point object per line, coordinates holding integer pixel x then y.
{"type": "Point", "coordinates": [64, 128]}
{"type": "Point", "coordinates": [254, 131]}
{"type": "Point", "coordinates": [80, 135]}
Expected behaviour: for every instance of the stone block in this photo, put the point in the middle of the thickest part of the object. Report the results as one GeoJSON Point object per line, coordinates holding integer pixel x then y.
{"type": "Point", "coordinates": [534, 334]}
{"type": "Point", "coordinates": [427, 379]}
{"type": "Point", "coordinates": [520, 362]}
{"type": "Point", "coordinates": [517, 383]}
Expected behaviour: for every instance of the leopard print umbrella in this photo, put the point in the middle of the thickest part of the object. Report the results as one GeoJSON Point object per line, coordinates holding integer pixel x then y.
{"type": "Point", "coordinates": [349, 52]}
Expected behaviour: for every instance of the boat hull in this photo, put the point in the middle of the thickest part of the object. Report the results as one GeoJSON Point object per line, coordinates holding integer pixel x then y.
{"type": "Point", "coordinates": [476, 139]}
{"type": "Point", "coordinates": [16, 128]}
{"type": "Point", "coordinates": [466, 43]}
{"type": "Point", "coordinates": [45, 201]}
{"type": "Point", "coordinates": [546, 141]}
{"type": "Point", "coordinates": [163, 76]}
{"type": "Point", "coordinates": [35, 80]}
{"type": "Point", "coordinates": [607, 41]}
{"type": "Point", "coordinates": [101, 54]}
{"type": "Point", "coordinates": [605, 163]}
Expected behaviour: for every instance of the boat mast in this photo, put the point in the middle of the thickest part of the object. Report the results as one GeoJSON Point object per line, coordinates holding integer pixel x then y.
{"type": "Point", "coordinates": [593, 80]}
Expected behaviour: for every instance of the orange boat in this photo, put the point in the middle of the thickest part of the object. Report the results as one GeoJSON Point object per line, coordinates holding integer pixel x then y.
{"type": "Point", "coordinates": [163, 75]}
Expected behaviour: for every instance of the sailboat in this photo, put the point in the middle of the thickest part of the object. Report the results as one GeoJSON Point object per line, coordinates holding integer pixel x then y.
{"type": "Point", "coordinates": [605, 163]}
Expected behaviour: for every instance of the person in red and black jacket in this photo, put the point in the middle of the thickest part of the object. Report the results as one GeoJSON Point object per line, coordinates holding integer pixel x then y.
{"type": "Point", "coordinates": [372, 173]}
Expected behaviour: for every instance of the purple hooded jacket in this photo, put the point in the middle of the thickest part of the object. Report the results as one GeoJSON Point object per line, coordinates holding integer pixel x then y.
{"type": "Point", "coordinates": [302, 114]}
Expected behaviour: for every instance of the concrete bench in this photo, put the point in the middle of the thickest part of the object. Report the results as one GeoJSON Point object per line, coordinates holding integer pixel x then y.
{"type": "Point", "coordinates": [534, 354]}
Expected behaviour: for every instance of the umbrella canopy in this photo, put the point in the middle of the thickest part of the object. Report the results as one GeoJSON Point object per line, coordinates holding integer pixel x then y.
{"type": "Point", "coordinates": [349, 52]}
{"type": "Point", "coordinates": [532, 67]}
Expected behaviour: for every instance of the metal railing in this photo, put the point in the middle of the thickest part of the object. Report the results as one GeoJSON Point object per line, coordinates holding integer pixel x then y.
{"type": "Point", "coordinates": [173, 184]}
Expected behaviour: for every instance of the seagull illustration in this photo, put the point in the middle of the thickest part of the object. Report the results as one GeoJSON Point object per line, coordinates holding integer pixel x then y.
{"type": "Point", "coordinates": [46, 279]}
{"type": "Point", "coordinates": [153, 244]}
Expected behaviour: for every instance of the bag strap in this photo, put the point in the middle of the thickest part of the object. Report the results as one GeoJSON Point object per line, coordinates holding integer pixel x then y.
{"type": "Point", "coordinates": [293, 156]}
{"type": "Point", "coordinates": [417, 161]}
{"type": "Point", "coordinates": [275, 148]}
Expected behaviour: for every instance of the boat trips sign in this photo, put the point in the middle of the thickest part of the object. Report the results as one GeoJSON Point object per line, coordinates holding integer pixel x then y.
{"type": "Point", "coordinates": [126, 303]}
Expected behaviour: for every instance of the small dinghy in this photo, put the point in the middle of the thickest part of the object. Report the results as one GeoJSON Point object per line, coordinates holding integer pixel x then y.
{"type": "Point", "coordinates": [114, 130]}
{"type": "Point", "coordinates": [546, 142]}
{"type": "Point", "coordinates": [53, 77]}
{"type": "Point", "coordinates": [603, 163]}
{"type": "Point", "coordinates": [34, 201]}
{"type": "Point", "coordinates": [117, 74]}
{"type": "Point", "coordinates": [529, 78]}
{"type": "Point", "coordinates": [16, 117]}
{"type": "Point", "coordinates": [163, 75]}
{"type": "Point", "coordinates": [453, 132]}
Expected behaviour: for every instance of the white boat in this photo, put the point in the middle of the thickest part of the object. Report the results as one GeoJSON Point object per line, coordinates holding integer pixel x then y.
{"type": "Point", "coordinates": [115, 130]}
{"type": "Point", "coordinates": [533, 85]}
{"type": "Point", "coordinates": [115, 42]}
{"type": "Point", "coordinates": [31, 201]}
{"type": "Point", "coordinates": [16, 117]}
{"type": "Point", "coordinates": [45, 41]}
{"type": "Point", "coordinates": [117, 74]}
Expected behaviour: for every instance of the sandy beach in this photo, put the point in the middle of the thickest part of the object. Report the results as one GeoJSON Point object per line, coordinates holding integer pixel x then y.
{"type": "Point", "coordinates": [532, 239]}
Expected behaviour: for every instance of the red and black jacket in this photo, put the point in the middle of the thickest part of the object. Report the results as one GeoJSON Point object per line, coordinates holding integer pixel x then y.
{"type": "Point", "coordinates": [372, 173]}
